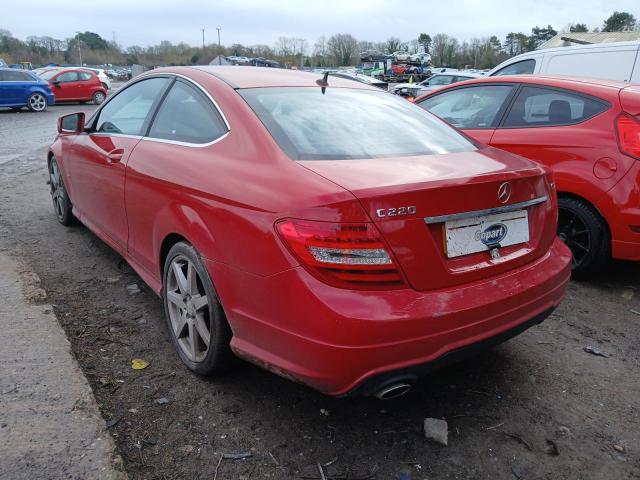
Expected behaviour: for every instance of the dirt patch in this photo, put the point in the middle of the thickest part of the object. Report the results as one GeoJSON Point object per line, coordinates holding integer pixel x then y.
{"type": "Point", "coordinates": [539, 406]}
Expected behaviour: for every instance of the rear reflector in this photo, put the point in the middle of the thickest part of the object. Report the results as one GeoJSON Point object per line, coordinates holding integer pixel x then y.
{"type": "Point", "coordinates": [628, 129]}
{"type": "Point", "coordinates": [343, 254]}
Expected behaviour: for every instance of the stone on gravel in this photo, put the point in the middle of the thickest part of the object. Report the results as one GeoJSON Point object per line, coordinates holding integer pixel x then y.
{"type": "Point", "coordinates": [596, 351]}
{"type": "Point", "coordinates": [162, 401]}
{"type": "Point", "coordinates": [133, 289]}
{"type": "Point", "coordinates": [437, 430]}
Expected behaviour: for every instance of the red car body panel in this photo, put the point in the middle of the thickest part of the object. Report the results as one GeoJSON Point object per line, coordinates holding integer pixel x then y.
{"type": "Point", "coordinates": [585, 157]}
{"type": "Point", "coordinates": [81, 90]}
{"type": "Point", "coordinates": [227, 198]}
{"type": "Point", "coordinates": [400, 69]}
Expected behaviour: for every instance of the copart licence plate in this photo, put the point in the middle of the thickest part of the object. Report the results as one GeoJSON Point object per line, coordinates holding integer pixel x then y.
{"type": "Point", "coordinates": [477, 234]}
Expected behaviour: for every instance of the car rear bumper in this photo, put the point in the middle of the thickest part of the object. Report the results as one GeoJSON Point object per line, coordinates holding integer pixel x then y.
{"type": "Point", "coordinates": [347, 341]}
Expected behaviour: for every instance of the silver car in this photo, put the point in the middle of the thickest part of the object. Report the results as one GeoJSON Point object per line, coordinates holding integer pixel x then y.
{"type": "Point", "coordinates": [434, 82]}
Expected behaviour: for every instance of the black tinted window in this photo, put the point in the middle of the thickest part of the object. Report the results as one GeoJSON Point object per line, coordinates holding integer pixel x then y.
{"type": "Point", "coordinates": [536, 106]}
{"type": "Point", "coordinates": [67, 77]}
{"type": "Point", "coordinates": [9, 76]}
{"type": "Point", "coordinates": [469, 107]}
{"type": "Point", "coordinates": [127, 111]}
{"type": "Point", "coordinates": [524, 67]}
{"type": "Point", "coordinates": [187, 115]}
{"type": "Point", "coordinates": [348, 123]}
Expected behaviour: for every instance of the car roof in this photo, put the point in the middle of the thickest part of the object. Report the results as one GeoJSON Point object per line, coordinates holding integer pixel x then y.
{"type": "Point", "coordinates": [9, 69]}
{"type": "Point", "coordinates": [260, 77]}
{"type": "Point", "coordinates": [457, 73]}
{"type": "Point", "coordinates": [593, 85]}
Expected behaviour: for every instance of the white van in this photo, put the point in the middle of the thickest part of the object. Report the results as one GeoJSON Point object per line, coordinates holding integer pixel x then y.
{"type": "Point", "coordinates": [611, 61]}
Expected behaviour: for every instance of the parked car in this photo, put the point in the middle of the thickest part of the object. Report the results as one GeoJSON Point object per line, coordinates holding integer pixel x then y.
{"type": "Point", "coordinates": [613, 61]}
{"type": "Point", "coordinates": [20, 89]}
{"type": "Point", "coordinates": [432, 83]}
{"type": "Point", "coordinates": [326, 230]}
{"type": "Point", "coordinates": [400, 69]}
{"type": "Point", "coordinates": [372, 56]}
{"type": "Point", "coordinates": [422, 58]}
{"type": "Point", "coordinates": [401, 56]}
{"type": "Point", "coordinates": [75, 85]}
{"type": "Point", "coordinates": [3, 63]}
{"type": "Point", "coordinates": [587, 131]}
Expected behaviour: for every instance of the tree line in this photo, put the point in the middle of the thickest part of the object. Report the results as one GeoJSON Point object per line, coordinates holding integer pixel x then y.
{"type": "Point", "coordinates": [341, 49]}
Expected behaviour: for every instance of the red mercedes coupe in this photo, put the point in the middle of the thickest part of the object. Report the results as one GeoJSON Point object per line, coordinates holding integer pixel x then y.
{"type": "Point", "coordinates": [587, 131]}
{"type": "Point", "coordinates": [328, 231]}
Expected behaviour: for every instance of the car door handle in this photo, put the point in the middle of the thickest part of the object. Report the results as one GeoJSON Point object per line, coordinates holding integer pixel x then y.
{"type": "Point", "coordinates": [115, 155]}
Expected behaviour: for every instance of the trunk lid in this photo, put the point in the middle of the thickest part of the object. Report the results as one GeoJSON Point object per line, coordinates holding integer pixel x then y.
{"type": "Point", "coordinates": [407, 198]}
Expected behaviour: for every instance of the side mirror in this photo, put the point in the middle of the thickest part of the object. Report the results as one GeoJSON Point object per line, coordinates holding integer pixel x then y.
{"type": "Point", "coordinates": [56, 83]}
{"type": "Point", "coordinates": [72, 123]}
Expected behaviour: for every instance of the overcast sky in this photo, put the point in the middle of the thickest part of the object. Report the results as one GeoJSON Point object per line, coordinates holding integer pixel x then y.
{"type": "Point", "coordinates": [147, 22]}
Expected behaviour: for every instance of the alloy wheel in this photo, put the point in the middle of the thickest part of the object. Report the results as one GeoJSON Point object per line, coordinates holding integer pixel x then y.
{"type": "Point", "coordinates": [574, 232]}
{"type": "Point", "coordinates": [58, 193]}
{"type": "Point", "coordinates": [188, 307]}
{"type": "Point", "coordinates": [37, 102]}
{"type": "Point", "coordinates": [98, 98]}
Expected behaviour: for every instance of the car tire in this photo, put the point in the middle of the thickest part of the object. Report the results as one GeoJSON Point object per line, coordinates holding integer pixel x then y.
{"type": "Point", "coordinates": [37, 102]}
{"type": "Point", "coordinates": [98, 98]}
{"type": "Point", "coordinates": [62, 205]}
{"type": "Point", "coordinates": [193, 311]}
{"type": "Point", "coordinates": [585, 232]}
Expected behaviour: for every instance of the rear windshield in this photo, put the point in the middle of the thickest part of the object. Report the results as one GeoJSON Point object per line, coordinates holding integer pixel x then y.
{"type": "Point", "coordinates": [347, 123]}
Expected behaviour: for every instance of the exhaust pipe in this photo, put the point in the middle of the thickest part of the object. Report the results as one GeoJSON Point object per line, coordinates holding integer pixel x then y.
{"type": "Point", "coordinates": [394, 390]}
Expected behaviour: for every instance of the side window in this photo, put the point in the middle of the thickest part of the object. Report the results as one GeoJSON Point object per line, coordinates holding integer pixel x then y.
{"type": "Point", "coordinates": [67, 77]}
{"type": "Point", "coordinates": [127, 111]}
{"type": "Point", "coordinates": [187, 115]}
{"type": "Point", "coordinates": [524, 67]}
{"type": "Point", "coordinates": [543, 107]}
{"type": "Point", "coordinates": [84, 76]}
{"type": "Point", "coordinates": [16, 76]}
{"type": "Point", "coordinates": [469, 107]}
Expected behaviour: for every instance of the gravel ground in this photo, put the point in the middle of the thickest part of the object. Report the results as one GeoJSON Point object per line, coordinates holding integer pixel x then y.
{"type": "Point", "coordinates": [538, 406]}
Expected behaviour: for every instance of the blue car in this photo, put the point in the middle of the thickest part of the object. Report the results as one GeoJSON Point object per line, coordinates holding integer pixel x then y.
{"type": "Point", "coordinates": [19, 88]}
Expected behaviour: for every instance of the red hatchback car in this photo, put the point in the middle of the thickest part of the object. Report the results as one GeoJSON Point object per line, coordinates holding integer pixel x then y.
{"type": "Point", "coordinates": [75, 85]}
{"type": "Point", "coordinates": [587, 131]}
{"type": "Point", "coordinates": [328, 231]}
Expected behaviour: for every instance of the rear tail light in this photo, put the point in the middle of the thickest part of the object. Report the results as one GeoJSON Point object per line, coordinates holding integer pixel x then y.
{"type": "Point", "coordinates": [628, 129]}
{"type": "Point", "coordinates": [342, 254]}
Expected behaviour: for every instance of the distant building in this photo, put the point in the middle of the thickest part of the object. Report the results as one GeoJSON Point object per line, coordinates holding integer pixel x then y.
{"type": "Point", "coordinates": [588, 38]}
{"type": "Point", "coordinates": [220, 60]}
